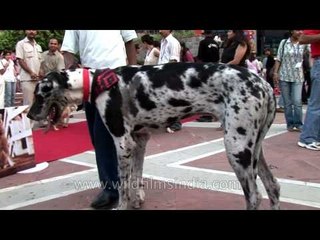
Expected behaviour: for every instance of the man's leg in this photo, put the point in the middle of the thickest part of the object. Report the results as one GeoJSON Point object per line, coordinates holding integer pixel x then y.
{"type": "Point", "coordinates": [106, 158]}
{"type": "Point", "coordinates": [27, 88]}
{"type": "Point", "coordinates": [311, 128]}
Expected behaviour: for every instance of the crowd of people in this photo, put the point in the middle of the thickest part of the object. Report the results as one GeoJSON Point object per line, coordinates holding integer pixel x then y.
{"type": "Point", "coordinates": [291, 72]}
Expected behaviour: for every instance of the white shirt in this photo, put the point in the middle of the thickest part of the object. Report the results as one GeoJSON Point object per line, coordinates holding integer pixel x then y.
{"type": "Point", "coordinates": [170, 50]}
{"type": "Point", "coordinates": [8, 75]}
{"type": "Point", "coordinates": [151, 59]}
{"type": "Point", "coordinates": [253, 66]}
{"type": "Point", "coordinates": [31, 54]}
{"type": "Point", "coordinates": [98, 48]}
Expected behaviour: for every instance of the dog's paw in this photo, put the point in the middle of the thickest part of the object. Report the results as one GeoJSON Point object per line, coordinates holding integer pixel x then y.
{"type": "Point", "coordinates": [138, 199]}
{"type": "Point", "coordinates": [122, 206]}
{"type": "Point", "coordinates": [142, 195]}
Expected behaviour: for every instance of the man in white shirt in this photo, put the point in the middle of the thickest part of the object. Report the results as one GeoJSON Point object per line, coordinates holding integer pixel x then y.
{"type": "Point", "coordinates": [28, 53]}
{"type": "Point", "coordinates": [170, 51]}
{"type": "Point", "coordinates": [101, 49]}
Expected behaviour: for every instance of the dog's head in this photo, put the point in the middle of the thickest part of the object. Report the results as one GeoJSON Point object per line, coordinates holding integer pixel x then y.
{"type": "Point", "coordinates": [49, 97]}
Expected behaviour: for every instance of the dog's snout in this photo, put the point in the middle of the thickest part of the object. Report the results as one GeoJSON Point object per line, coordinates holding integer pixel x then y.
{"type": "Point", "coordinates": [34, 111]}
{"type": "Point", "coordinates": [31, 114]}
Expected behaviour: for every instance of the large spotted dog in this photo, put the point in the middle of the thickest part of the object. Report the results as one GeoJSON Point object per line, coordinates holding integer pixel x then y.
{"type": "Point", "coordinates": [156, 96]}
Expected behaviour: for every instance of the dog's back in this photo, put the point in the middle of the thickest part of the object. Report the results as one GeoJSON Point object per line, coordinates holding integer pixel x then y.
{"type": "Point", "coordinates": [167, 93]}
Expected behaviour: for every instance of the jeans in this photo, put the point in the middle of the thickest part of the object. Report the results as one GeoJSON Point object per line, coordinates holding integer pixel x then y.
{"type": "Point", "coordinates": [9, 94]}
{"type": "Point", "coordinates": [106, 154]}
{"type": "Point", "coordinates": [291, 93]}
{"type": "Point", "coordinates": [311, 129]}
{"type": "Point", "coordinates": [280, 102]}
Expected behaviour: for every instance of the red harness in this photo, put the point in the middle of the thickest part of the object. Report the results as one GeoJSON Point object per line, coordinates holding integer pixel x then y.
{"type": "Point", "coordinates": [102, 81]}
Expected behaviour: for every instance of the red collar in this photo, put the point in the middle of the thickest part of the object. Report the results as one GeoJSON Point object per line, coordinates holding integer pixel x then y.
{"type": "Point", "coordinates": [86, 84]}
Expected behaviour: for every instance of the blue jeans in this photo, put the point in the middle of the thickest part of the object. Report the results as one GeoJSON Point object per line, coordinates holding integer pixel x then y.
{"type": "Point", "coordinates": [291, 93]}
{"type": "Point", "coordinates": [311, 128]}
{"type": "Point", "coordinates": [9, 94]}
{"type": "Point", "coordinates": [106, 154]}
{"type": "Point", "coordinates": [280, 103]}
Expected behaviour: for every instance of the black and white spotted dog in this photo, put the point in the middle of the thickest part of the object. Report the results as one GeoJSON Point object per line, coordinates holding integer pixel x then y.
{"type": "Point", "coordinates": [156, 96]}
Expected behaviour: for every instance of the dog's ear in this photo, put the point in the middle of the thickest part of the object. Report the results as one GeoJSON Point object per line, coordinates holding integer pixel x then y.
{"type": "Point", "coordinates": [63, 79]}
{"type": "Point", "coordinates": [63, 73]}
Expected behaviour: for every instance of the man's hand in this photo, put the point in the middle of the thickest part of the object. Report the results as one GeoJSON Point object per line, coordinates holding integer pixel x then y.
{"type": "Point", "coordinates": [34, 76]}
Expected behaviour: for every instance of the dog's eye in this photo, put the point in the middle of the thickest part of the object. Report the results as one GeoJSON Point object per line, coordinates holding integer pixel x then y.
{"type": "Point", "coordinates": [46, 89]}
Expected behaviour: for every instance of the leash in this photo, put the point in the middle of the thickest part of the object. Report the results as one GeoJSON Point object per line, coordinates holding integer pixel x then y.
{"type": "Point", "coordinates": [86, 84]}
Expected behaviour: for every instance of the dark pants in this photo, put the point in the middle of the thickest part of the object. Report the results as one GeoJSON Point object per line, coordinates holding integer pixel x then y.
{"type": "Point", "coordinates": [106, 154]}
{"type": "Point", "coordinates": [306, 87]}
{"type": "Point", "coordinates": [269, 79]}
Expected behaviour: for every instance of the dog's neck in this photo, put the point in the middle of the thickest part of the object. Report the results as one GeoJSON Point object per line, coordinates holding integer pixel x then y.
{"type": "Point", "coordinates": [80, 82]}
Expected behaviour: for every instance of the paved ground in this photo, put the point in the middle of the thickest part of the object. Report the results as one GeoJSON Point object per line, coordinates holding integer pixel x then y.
{"type": "Point", "coordinates": [184, 170]}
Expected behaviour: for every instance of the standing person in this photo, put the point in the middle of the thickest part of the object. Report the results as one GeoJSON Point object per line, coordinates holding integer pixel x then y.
{"type": "Point", "coordinates": [152, 55]}
{"type": "Point", "coordinates": [235, 52]}
{"type": "Point", "coordinates": [288, 72]}
{"type": "Point", "coordinates": [52, 60]}
{"type": "Point", "coordinates": [9, 77]}
{"type": "Point", "coordinates": [253, 63]}
{"type": "Point", "coordinates": [208, 51]}
{"type": "Point", "coordinates": [101, 49]}
{"type": "Point", "coordinates": [170, 50]}
{"type": "Point", "coordinates": [3, 69]}
{"type": "Point", "coordinates": [306, 86]}
{"type": "Point", "coordinates": [269, 64]}
{"type": "Point", "coordinates": [236, 49]}
{"type": "Point", "coordinates": [28, 53]}
{"type": "Point", "coordinates": [310, 135]}
{"type": "Point", "coordinates": [186, 55]}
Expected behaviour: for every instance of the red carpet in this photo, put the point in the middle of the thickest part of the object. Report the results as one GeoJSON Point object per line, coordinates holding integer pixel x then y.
{"type": "Point", "coordinates": [190, 119]}
{"type": "Point", "coordinates": [66, 142]}
{"type": "Point", "coordinates": [55, 145]}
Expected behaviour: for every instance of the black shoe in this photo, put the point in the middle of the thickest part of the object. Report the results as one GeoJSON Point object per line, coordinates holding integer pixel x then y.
{"type": "Point", "coordinates": [105, 200]}
{"type": "Point", "coordinates": [176, 126]}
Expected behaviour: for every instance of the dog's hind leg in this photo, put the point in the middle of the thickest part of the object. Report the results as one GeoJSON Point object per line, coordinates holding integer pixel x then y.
{"type": "Point", "coordinates": [239, 152]}
{"type": "Point", "coordinates": [269, 182]}
{"type": "Point", "coordinates": [125, 146]}
{"type": "Point", "coordinates": [137, 193]}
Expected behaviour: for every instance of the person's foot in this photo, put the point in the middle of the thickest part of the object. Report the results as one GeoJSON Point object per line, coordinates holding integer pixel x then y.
{"type": "Point", "coordinates": [315, 146]}
{"type": "Point", "coordinates": [290, 129]}
{"type": "Point", "coordinates": [298, 129]}
{"type": "Point", "coordinates": [105, 200]}
{"type": "Point", "coordinates": [280, 110]}
{"type": "Point", "coordinates": [294, 129]}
